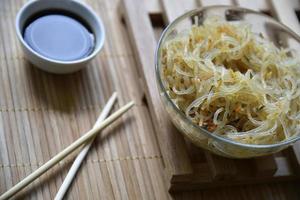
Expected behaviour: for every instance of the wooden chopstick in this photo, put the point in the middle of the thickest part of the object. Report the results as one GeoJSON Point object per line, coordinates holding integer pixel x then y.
{"type": "Point", "coordinates": [80, 141]}
{"type": "Point", "coordinates": [80, 157]}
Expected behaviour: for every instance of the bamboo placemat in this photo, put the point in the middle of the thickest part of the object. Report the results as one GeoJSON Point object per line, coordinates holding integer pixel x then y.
{"type": "Point", "coordinates": [42, 113]}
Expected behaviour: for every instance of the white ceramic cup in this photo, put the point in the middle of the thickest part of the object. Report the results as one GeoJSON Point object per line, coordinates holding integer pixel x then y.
{"type": "Point", "coordinates": [77, 8]}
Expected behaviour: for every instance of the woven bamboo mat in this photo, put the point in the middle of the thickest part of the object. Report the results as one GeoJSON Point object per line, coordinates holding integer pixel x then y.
{"type": "Point", "coordinates": [41, 113]}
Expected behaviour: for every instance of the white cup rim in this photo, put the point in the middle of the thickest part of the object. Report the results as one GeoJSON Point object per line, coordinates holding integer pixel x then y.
{"type": "Point", "coordinates": [77, 61]}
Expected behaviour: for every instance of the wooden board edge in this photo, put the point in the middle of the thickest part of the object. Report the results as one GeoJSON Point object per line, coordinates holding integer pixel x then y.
{"type": "Point", "coordinates": [174, 152]}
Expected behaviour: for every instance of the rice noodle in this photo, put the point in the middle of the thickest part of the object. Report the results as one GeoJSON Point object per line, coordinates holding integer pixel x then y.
{"type": "Point", "coordinates": [225, 76]}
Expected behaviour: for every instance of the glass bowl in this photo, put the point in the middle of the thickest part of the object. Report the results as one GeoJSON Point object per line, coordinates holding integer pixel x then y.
{"type": "Point", "coordinates": [278, 33]}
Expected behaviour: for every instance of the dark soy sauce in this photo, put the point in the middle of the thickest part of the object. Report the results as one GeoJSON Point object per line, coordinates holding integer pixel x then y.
{"type": "Point", "coordinates": [59, 37]}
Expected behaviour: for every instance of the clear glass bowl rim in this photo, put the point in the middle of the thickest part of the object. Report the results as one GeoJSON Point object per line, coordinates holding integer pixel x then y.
{"type": "Point", "coordinates": [181, 114]}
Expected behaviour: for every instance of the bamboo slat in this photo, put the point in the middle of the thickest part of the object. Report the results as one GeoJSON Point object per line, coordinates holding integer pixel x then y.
{"type": "Point", "coordinates": [257, 5]}
{"type": "Point", "coordinates": [176, 157]}
{"type": "Point", "coordinates": [173, 9]}
{"type": "Point", "coordinates": [214, 2]}
{"type": "Point", "coordinates": [285, 13]}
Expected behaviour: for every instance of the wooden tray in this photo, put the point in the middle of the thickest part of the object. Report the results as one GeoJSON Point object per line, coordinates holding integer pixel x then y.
{"type": "Point", "coordinates": [186, 166]}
